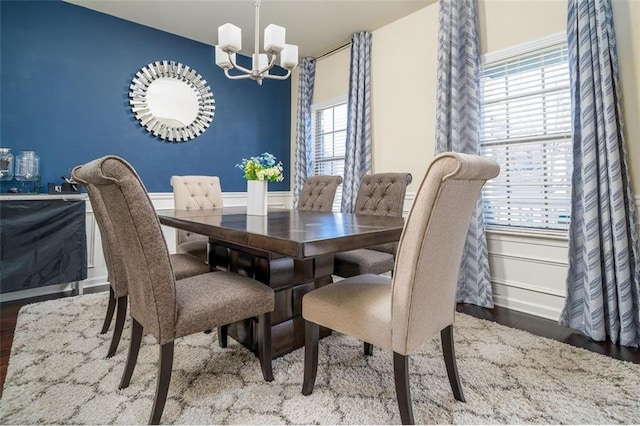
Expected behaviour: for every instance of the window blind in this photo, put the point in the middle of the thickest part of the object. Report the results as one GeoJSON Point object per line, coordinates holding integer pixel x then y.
{"type": "Point", "coordinates": [330, 136]}
{"type": "Point", "coordinates": [525, 126]}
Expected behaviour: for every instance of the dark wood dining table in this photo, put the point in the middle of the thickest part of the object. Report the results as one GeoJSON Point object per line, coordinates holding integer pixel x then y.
{"type": "Point", "coordinates": [289, 250]}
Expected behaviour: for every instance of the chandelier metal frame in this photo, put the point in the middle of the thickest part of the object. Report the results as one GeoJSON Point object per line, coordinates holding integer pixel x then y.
{"type": "Point", "coordinates": [229, 43]}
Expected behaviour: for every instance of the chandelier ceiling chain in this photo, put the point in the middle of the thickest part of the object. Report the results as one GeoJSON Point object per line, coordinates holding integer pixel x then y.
{"type": "Point", "coordinates": [230, 42]}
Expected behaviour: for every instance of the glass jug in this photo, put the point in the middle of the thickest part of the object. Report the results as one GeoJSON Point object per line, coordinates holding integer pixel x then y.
{"type": "Point", "coordinates": [6, 164]}
{"type": "Point", "coordinates": [28, 171]}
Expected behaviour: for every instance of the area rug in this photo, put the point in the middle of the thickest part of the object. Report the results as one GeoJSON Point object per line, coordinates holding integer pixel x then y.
{"type": "Point", "coordinates": [58, 374]}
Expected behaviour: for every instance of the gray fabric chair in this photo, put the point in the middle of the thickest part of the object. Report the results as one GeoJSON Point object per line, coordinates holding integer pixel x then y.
{"type": "Point", "coordinates": [166, 308]}
{"type": "Point", "coordinates": [318, 193]}
{"type": "Point", "coordinates": [183, 265]}
{"type": "Point", "coordinates": [195, 193]}
{"type": "Point", "coordinates": [380, 194]}
{"type": "Point", "coordinates": [399, 314]}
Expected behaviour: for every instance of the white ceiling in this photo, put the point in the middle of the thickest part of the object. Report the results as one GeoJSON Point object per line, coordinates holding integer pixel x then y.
{"type": "Point", "coordinates": [316, 26]}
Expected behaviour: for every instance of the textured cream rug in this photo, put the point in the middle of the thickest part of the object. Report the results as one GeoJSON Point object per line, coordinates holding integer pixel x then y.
{"type": "Point", "coordinates": [58, 374]}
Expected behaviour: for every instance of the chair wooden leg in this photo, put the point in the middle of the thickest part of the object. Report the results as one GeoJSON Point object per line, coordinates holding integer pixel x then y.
{"type": "Point", "coordinates": [368, 349]}
{"type": "Point", "coordinates": [164, 379]}
{"type": "Point", "coordinates": [311, 337]}
{"type": "Point", "coordinates": [110, 308]}
{"type": "Point", "coordinates": [448, 350]}
{"type": "Point", "coordinates": [121, 303]}
{"type": "Point", "coordinates": [134, 348]}
{"type": "Point", "coordinates": [223, 330]}
{"type": "Point", "coordinates": [403, 392]}
{"type": "Point", "coordinates": [264, 345]}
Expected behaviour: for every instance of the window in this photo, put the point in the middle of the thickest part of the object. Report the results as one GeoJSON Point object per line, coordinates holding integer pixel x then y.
{"type": "Point", "coordinates": [329, 124]}
{"type": "Point", "coordinates": [525, 126]}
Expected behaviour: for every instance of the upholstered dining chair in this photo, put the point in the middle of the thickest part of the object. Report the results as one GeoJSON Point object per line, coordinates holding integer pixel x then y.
{"type": "Point", "coordinates": [195, 193]}
{"type": "Point", "coordinates": [183, 265]}
{"type": "Point", "coordinates": [400, 313]}
{"type": "Point", "coordinates": [168, 309]}
{"type": "Point", "coordinates": [318, 193]}
{"type": "Point", "coordinates": [380, 194]}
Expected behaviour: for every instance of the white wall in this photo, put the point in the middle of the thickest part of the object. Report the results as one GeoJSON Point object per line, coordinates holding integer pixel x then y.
{"type": "Point", "coordinates": [528, 270]}
{"type": "Point", "coordinates": [403, 94]}
{"type": "Point", "coordinates": [325, 89]}
{"type": "Point", "coordinates": [506, 23]}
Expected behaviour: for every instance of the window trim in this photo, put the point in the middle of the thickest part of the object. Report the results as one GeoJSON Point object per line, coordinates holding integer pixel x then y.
{"type": "Point", "coordinates": [315, 107]}
{"type": "Point", "coordinates": [523, 48]}
{"type": "Point", "coordinates": [500, 55]}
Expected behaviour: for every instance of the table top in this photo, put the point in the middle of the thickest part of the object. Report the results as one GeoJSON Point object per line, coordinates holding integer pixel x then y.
{"type": "Point", "coordinates": [299, 234]}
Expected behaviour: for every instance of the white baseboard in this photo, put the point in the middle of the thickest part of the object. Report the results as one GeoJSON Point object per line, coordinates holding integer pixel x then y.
{"type": "Point", "coordinates": [527, 307]}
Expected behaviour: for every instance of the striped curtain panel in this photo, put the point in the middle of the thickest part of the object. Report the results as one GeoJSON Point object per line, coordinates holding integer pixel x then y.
{"type": "Point", "coordinates": [457, 118]}
{"type": "Point", "coordinates": [603, 283]}
{"type": "Point", "coordinates": [358, 145]}
{"type": "Point", "coordinates": [304, 141]}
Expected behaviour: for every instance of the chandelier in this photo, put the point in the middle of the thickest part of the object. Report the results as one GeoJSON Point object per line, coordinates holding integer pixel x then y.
{"type": "Point", "coordinates": [230, 42]}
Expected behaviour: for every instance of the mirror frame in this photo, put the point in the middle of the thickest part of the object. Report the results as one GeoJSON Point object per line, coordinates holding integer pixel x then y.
{"type": "Point", "coordinates": [175, 70]}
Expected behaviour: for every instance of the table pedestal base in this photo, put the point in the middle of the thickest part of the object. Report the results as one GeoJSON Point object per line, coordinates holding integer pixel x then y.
{"type": "Point", "coordinates": [290, 279]}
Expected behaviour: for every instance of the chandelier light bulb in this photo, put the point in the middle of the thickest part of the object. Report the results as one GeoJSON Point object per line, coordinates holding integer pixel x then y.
{"type": "Point", "coordinates": [274, 39]}
{"type": "Point", "coordinates": [289, 57]}
{"type": "Point", "coordinates": [229, 38]}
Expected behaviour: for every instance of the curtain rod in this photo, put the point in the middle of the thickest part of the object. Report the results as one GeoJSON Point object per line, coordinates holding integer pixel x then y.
{"type": "Point", "coordinates": [336, 50]}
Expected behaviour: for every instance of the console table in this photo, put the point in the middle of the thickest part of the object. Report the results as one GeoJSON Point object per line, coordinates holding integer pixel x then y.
{"type": "Point", "coordinates": [43, 240]}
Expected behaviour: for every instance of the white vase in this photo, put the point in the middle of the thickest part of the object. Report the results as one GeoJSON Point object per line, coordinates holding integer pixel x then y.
{"type": "Point", "coordinates": [257, 197]}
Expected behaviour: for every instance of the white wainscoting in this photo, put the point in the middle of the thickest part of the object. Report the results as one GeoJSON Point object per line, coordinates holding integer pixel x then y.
{"type": "Point", "coordinates": [96, 266]}
{"type": "Point", "coordinates": [528, 271]}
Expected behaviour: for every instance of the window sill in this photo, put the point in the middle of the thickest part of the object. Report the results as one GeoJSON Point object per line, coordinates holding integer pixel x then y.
{"type": "Point", "coordinates": [530, 233]}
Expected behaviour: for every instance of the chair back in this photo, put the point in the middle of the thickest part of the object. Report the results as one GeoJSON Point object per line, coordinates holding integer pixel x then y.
{"type": "Point", "coordinates": [139, 236]}
{"type": "Point", "coordinates": [318, 193]}
{"type": "Point", "coordinates": [113, 256]}
{"type": "Point", "coordinates": [382, 194]}
{"type": "Point", "coordinates": [430, 249]}
{"type": "Point", "coordinates": [195, 193]}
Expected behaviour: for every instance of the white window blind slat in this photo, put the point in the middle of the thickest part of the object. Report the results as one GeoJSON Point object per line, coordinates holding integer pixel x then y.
{"type": "Point", "coordinates": [526, 127]}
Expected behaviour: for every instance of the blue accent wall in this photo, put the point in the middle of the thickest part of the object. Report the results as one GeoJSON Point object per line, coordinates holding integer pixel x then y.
{"type": "Point", "coordinates": [65, 78]}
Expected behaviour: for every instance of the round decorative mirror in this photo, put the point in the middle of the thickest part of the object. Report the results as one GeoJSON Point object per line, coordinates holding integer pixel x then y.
{"type": "Point", "coordinates": [172, 101]}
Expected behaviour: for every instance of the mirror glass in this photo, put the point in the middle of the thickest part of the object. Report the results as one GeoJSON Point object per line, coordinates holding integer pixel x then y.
{"type": "Point", "coordinates": [172, 101]}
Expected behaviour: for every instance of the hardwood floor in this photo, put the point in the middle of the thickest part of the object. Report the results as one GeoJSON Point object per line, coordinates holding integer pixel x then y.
{"type": "Point", "coordinates": [535, 325]}
{"type": "Point", "coordinates": [550, 329]}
